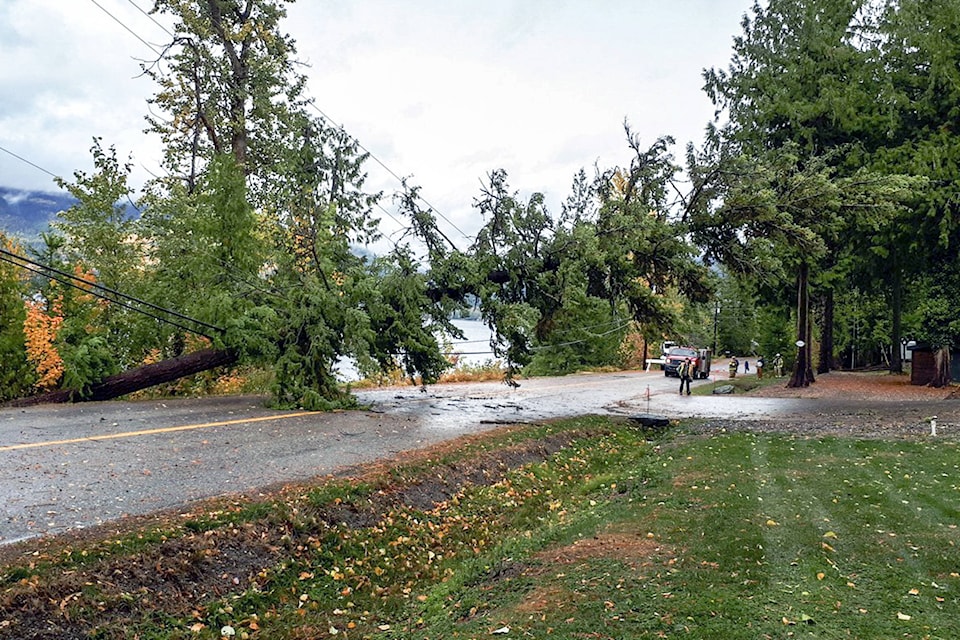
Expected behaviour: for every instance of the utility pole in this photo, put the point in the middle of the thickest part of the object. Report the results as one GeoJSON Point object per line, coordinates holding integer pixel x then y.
{"type": "Point", "coordinates": [716, 317]}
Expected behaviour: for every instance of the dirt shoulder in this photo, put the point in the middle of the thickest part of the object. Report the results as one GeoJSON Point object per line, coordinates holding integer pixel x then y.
{"type": "Point", "coordinates": [863, 386]}
{"type": "Point", "coordinates": [854, 404]}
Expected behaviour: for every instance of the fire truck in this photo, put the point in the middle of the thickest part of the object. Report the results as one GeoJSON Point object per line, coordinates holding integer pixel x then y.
{"type": "Point", "coordinates": [675, 355]}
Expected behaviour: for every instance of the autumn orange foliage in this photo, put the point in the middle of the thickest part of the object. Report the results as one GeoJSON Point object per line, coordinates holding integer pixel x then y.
{"type": "Point", "coordinates": [40, 331]}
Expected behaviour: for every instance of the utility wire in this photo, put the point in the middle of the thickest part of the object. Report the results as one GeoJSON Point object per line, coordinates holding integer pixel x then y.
{"type": "Point", "coordinates": [222, 264]}
{"type": "Point", "coordinates": [9, 256]}
{"type": "Point", "coordinates": [152, 19]}
{"type": "Point", "coordinates": [22, 159]}
{"type": "Point", "coordinates": [386, 168]}
{"type": "Point", "coordinates": [131, 31]}
{"type": "Point", "coordinates": [45, 274]}
{"type": "Point", "coordinates": [573, 342]}
{"type": "Point", "coordinates": [311, 103]}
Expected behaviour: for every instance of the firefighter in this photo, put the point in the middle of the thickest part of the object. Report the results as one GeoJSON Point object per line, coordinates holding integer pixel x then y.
{"type": "Point", "coordinates": [685, 371]}
{"type": "Point", "coordinates": [778, 365]}
{"type": "Point", "coordinates": [734, 365]}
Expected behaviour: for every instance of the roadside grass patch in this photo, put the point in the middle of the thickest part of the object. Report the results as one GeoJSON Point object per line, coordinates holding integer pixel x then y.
{"type": "Point", "coordinates": [582, 528]}
{"type": "Point", "coordinates": [741, 384]}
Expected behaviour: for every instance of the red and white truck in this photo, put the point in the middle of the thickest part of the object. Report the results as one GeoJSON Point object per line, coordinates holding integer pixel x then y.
{"type": "Point", "coordinates": [675, 355]}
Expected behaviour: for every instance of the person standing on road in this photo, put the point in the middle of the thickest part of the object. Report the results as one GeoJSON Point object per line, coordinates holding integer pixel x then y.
{"type": "Point", "coordinates": [733, 366]}
{"type": "Point", "coordinates": [685, 371]}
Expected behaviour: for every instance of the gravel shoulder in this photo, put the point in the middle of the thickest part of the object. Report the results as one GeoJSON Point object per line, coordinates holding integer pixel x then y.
{"type": "Point", "coordinates": [856, 404]}
{"type": "Point", "coordinates": [850, 386]}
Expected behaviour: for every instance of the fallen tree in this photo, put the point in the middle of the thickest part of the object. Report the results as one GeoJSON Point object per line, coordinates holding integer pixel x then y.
{"type": "Point", "coordinates": [137, 379]}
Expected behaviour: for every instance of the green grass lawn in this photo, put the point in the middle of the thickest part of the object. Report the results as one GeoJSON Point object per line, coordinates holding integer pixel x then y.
{"type": "Point", "coordinates": [759, 537]}
{"type": "Point", "coordinates": [729, 535]}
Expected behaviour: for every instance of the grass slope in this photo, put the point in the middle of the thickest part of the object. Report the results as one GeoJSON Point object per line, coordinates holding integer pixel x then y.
{"type": "Point", "coordinates": [588, 528]}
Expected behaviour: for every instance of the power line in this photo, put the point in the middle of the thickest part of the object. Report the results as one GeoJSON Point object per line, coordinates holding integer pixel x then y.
{"type": "Point", "coordinates": [581, 341]}
{"type": "Point", "coordinates": [22, 159]}
{"type": "Point", "coordinates": [152, 19]}
{"type": "Point", "coordinates": [386, 168]}
{"type": "Point", "coordinates": [70, 280]}
{"type": "Point", "coordinates": [405, 227]}
{"type": "Point", "coordinates": [311, 103]}
{"type": "Point", "coordinates": [131, 31]}
{"type": "Point", "coordinates": [222, 264]}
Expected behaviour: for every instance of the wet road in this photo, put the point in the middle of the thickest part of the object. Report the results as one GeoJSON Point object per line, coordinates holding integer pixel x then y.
{"type": "Point", "coordinates": [69, 466]}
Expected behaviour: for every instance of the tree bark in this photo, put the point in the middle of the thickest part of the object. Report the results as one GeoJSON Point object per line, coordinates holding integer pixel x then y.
{"type": "Point", "coordinates": [896, 309]}
{"type": "Point", "coordinates": [826, 339]}
{"type": "Point", "coordinates": [802, 369]}
{"type": "Point", "coordinates": [941, 359]}
{"type": "Point", "coordinates": [136, 379]}
{"type": "Point", "coordinates": [808, 374]}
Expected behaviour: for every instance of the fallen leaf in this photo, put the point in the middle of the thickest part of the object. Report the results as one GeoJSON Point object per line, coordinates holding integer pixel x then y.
{"type": "Point", "coordinates": [914, 592]}
{"type": "Point", "coordinates": [821, 575]}
{"type": "Point", "coordinates": [830, 534]}
{"type": "Point", "coordinates": [772, 523]}
{"type": "Point", "coordinates": [902, 616]}
{"type": "Point", "coordinates": [501, 631]}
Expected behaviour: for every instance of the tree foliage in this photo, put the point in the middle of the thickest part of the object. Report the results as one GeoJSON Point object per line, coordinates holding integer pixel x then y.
{"type": "Point", "coordinates": [813, 80]}
{"type": "Point", "coordinates": [260, 226]}
{"type": "Point", "coordinates": [16, 374]}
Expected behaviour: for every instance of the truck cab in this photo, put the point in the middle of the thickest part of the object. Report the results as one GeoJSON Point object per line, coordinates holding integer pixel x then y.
{"type": "Point", "coordinates": [675, 355]}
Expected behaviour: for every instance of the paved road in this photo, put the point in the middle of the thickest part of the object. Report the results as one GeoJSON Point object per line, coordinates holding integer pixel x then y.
{"type": "Point", "coordinates": [69, 466]}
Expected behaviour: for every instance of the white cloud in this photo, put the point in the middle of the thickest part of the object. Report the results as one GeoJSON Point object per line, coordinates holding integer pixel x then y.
{"type": "Point", "coordinates": [443, 90]}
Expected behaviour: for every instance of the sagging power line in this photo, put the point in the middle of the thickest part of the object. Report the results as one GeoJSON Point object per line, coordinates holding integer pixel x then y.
{"type": "Point", "coordinates": [111, 295]}
{"type": "Point", "coordinates": [312, 104]}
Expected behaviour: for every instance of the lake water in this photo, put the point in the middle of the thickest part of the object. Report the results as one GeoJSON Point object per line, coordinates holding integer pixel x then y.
{"type": "Point", "coordinates": [473, 349]}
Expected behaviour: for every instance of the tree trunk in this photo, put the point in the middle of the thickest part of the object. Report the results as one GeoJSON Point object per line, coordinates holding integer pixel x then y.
{"type": "Point", "coordinates": [808, 374]}
{"type": "Point", "coordinates": [802, 369]}
{"type": "Point", "coordinates": [941, 360]}
{"type": "Point", "coordinates": [137, 379]}
{"type": "Point", "coordinates": [896, 304]}
{"type": "Point", "coordinates": [826, 340]}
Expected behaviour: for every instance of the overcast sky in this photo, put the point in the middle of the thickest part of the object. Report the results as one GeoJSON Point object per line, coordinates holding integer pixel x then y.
{"type": "Point", "coordinates": [442, 91]}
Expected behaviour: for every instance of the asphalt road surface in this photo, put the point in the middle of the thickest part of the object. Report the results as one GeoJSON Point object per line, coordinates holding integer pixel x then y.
{"type": "Point", "coordinates": [70, 466]}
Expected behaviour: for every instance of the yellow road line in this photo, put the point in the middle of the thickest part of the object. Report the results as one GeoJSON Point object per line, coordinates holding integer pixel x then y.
{"type": "Point", "coordinates": [150, 432]}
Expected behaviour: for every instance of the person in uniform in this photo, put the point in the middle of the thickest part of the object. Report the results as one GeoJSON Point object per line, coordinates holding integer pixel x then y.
{"type": "Point", "coordinates": [685, 371]}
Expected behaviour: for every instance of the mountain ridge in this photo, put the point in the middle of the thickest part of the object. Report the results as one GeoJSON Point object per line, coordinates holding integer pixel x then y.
{"type": "Point", "coordinates": [26, 213]}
